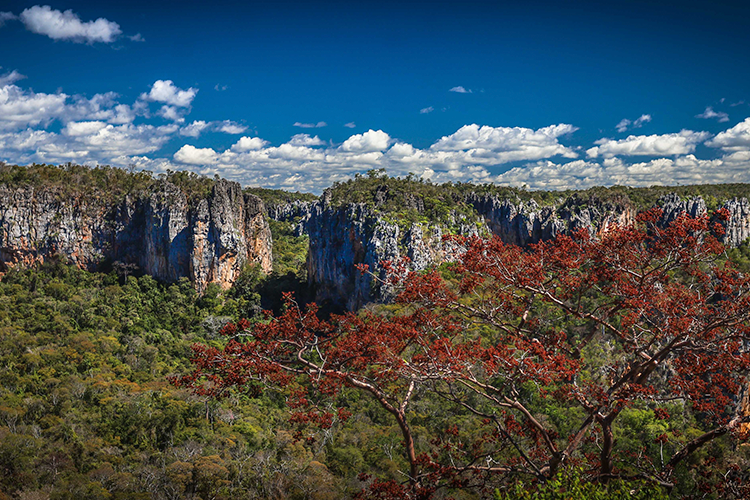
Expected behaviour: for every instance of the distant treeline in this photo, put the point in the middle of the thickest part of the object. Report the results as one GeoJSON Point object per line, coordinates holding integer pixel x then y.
{"type": "Point", "coordinates": [375, 189]}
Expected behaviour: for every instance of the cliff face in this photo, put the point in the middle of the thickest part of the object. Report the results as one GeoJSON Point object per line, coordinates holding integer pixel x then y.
{"type": "Point", "coordinates": [160, 231]}
{"type": "Point", "coordinates": [342, 237]}
{"type": "Point", "coordinates": [525, 223]}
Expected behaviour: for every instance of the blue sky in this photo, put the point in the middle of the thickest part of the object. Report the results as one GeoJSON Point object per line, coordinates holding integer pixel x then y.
{"type": "Point", "coordinates": [297, 95]}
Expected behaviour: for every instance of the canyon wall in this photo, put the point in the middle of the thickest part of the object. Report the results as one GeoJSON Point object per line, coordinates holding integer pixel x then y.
{"type": "Point", "coordinates": [160, 231]}
{"type": "Point", "coordinates": [342, 237]}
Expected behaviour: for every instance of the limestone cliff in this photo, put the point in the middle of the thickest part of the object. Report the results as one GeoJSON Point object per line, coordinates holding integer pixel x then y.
{"type": "Point", "coordinates": [341, 238]}
{"type": "Point", "coordinates": [160, 230]}
{"type": "Point", "coordinates": [350, 234]}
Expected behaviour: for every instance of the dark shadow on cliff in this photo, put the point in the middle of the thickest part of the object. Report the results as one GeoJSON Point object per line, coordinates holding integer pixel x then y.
{"type": "Point", "coordinates": [266, 292]}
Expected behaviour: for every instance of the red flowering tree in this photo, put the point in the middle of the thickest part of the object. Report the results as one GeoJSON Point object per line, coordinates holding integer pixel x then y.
{"type": "Point", "coordinates": [548, 351]}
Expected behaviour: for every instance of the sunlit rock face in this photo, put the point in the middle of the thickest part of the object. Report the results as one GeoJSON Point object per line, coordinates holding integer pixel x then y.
{"type": "Point", "coordinates": [160, 231]}
{"type": "Point", "coordinates": [341, 238]}
{"type": "Point", "coordinates": [738, 225]}
{"type": "Point", "coordinates": [522, 223]}
{"type": "Point", "coordinates": [344, 236]}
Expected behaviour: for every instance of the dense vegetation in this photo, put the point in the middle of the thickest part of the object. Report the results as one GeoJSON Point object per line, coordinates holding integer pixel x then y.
{"type": "Point", "coordinates": [273, 197]}
{"type": "Point", "coordinates": [622, 355]}
{"type": "Point", "coordinates": [411, 199]}
{"type": "Point", "coordinates": [395, 193]}
{"type": "Point", "coordinates": [110, 183]}
{"type": "Point", "coordinates": [86, 409]}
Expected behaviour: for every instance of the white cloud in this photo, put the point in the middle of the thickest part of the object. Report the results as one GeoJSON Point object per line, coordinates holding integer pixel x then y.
{"type": "Point", "coordinates": [230, 127]}
{"type": "Point", "coordinates": [506, 144]}
{"type": "Point", "coordinates": [194, 129]}
{"type": "Point", "coordinates": [350, 125]}
{"type": "Point", "coordinates": [171, 113]}
{"type": "Point", "coordinates": [10, 78]}
{"type": "Point", "coordinates": [5, 17]}
{"type": "Point", "coordinates": [68, 26]}
{"type": "Point", "coordinates": [734, 139]}
{"type": "Point", "coordinates": [306, 140]}
{"type": "Point", "coordinates": [580, 174]}
{"type": "Point", "coordinates": [460, 90]}
{"type": "Point", "coordinates": [426, 110]}
{"type": "Point", "coordinates": [310, 125]}
{"type": "Point", "coordinates": [122, 113]}
{"type": "Point", "coordinates": [20, 109]}
{"type": "Point", "coordinates": [137, 38]}
{"type": "Point", "coordinates": [196, 156]}
{"type": "Point", "coordinates": [99, 107]}
{"type": "Point", "coordinates": [641, 120]}
{"type": "Point", "coordinates": [370, 141]}
{"type": "Point", "coordinates": [103, 140]}
{"type": "Point", "coordinates": [638, 123]}
{"type": "Point", "coordinates": [80, 129]}
{"type": "Point", "coordinates": [165, 91]}
{"type": "Point", "coordinates": [103, 130]}
{"type": "Point", "coordinates": [710, 113]}
{"type": "Point", "coordinates": [681, 143]}
{"type": "Point", "coordinates": [220, 88]}
{"type": "Point", "coordinates": [249, 144]}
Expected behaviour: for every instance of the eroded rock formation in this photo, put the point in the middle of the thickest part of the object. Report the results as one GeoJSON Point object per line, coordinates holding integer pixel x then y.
{"type": "Point", "coordinates": [342, 237]}
{"type": "Point", "coordinates": [208, 241]}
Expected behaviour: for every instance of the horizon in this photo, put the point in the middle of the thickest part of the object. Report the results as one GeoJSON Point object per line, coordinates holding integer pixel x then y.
{"type": "Point", "coordinates": [297, 96]}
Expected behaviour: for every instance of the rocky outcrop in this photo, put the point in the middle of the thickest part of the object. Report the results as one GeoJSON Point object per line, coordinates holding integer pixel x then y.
{"type": "Point", "coordinates": [523, 223]}
{"type": "Point", "coordinates": [297, 213]}
{"type": "Point", "coordinates": [160, 231]}
{"type": "Point", "coordinates": [737, 227]}
{"type": "Point", "coordinates": [342, 238]}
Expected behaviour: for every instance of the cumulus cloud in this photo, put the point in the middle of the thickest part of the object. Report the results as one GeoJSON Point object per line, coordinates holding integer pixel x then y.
{"type": "Point", "coordinates": [580, 174]}
{"type": "Point", "coordinates": [249, 144]}
{"type": "Point", "coordinates": [20, 109]}
{"type": "Point", "coordinates": [171, 113]}
{"type": "Point", "coordinates": [306, 140]}
{"type": "Point", "coordinates": [137, 38]}
{"type": "Point", "coordinates": [681, 143]}
{"type": "Point", "coordinates": [710, 113]}
{"type": "Point", "coordinates": [230, 127]}
{"type": "Point", "coordinates": [101, 129]}
{"type": "Point", "coordinates": [194, 129]}
{"type": "Point", "coordinates": [637, 123]}
{"type": "Point", "coordinates": [165, 91]}
{"type": "Point", "coordinates": [5, 17]}
{"type": "Point", "coordinates": [460, 90]}
{"type": "Point", "coordinates": [99, 107]}
{"type": "Point", "coordinates": [310, 125]}
{"type": "Point", "coordinates": [68, 26]}
{"type": "Point", "coordinates": [506, 144]}
{"type": "Point", "coordinates": [370, 141]}
{"type": "Point", "coordinates": [350, 125]}
{"type": "Point", "coordinates": [196, 156]}
{"type": "Point", "coordinates": [734, 139]}
{"type": "Point", "coordinates": [104, 139]}
{"type": "Point", "coordinates": [426, 110]}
